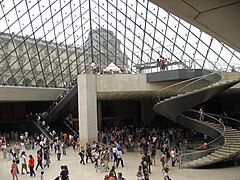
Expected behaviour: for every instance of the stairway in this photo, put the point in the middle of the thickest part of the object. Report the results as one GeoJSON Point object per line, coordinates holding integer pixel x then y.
{"type": "Point", "coordinates": [188, 94]}
{"type": "Point", "coordinates": [227, 144]}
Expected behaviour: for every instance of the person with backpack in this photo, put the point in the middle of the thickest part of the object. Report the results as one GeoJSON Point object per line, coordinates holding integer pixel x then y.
{"type": "Point", "coordinates": [165, 173]}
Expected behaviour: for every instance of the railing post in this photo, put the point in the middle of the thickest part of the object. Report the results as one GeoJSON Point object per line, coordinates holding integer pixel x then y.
{"type": "Point", "coordinates": [180, 161]}
{"type": "Point", "coordinates": [229, 148]}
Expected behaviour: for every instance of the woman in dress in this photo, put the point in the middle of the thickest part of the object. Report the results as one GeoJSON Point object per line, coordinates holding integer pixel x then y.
{"type": "Point", "coordinates": [14, 170]}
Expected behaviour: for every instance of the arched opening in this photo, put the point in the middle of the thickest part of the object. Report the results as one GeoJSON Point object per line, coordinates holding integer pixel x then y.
{"type": "Point", "coordinates": [40, 83]}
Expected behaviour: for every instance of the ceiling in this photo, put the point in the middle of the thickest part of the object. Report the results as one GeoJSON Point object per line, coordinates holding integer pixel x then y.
{"type": "Point", "coordinates": [218, 18]}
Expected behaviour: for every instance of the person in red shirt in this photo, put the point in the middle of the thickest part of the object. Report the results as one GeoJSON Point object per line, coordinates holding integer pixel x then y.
{"type": "Point", "coordinates": [31, 165]}
{"type": "Point", "coordinates": [65, 136]}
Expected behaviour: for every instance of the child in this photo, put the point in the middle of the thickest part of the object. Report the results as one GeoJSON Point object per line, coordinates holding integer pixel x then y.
{"type": "Point", "coordinates": [42, 177]}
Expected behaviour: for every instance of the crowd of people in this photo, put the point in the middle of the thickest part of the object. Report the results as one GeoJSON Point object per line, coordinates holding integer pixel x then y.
{"type": "Point", "coordinates": [106, 154]}
{"type": "Point", "coordinates": [147, 142]}
{"type": "Point", "coordinates": [43, 146]}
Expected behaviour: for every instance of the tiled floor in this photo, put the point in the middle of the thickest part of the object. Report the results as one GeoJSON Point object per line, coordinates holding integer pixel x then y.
{"type": "Point", "coordinates": [131, 160]}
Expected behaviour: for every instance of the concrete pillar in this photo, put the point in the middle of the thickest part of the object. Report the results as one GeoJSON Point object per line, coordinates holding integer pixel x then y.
{"type": "Point", "coordinates": [87, 104]}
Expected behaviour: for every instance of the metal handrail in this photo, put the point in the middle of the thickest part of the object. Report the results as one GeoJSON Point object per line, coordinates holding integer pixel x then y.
{"type": "Point", "coordinates": [232, 119]}
{"type": "Point", "coordinates": [213, 141]}
{"type": "Point", "coordinates": [195, 79]}
{"type": "Point", "coordinates": [222, 133]}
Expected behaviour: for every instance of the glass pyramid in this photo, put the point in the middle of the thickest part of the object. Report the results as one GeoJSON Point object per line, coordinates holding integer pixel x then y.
{"type": "Point", "coordinates": [47, 43]}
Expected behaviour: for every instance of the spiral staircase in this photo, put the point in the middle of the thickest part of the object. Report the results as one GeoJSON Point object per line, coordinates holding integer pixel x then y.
{"type": "Point", "coordinates": [174, 103]}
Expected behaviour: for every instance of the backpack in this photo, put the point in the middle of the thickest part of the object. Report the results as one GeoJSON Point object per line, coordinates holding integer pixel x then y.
{"type": "Point", "coordinates": [167, 178]}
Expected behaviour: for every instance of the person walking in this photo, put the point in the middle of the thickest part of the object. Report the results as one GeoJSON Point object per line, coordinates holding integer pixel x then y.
{"type": "Point", "coordinates": [14, 170]}
{"type": "Point", "coordinates": [105, 159]}
{"type": "Point", "coordinates": [31, 165]}
{"type": "Point", "coordinates": [39, 159]}
{"type": "Point", "coordinates": [201, 115]}
{"type": "Point", "coordinates": [153, 156]}
{"type": "Point", "coordinates": [165, 173]}
{"type": "Point", "coordinates": [23, 162]}
{"type": "Point", "coordinates": [9, 152]}
{"type": "Point", "coordinates": [88, 153]}
{"type": "Point", "coordinates": [119, 157]}
{"type": "Point", "coordinates": [139, 174]}
{"type": "Point", "coordinates": [82, 154]}
{"type": "Point", "coordinates": [58, 152]}
{"type": "Point", "coordinates": [64, 174]}
{"type": "Point", "coordinates": [46, 156]}
{"type": "Point", "coordinates": [147, 159]}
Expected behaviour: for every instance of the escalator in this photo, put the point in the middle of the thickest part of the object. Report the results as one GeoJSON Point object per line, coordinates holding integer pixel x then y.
{"type": "Point", "coordinates": [66, 106]}
{"type": "Point", "coordinates": [71, 128]}
{"type": "Point", "coordinates": [45, 132]}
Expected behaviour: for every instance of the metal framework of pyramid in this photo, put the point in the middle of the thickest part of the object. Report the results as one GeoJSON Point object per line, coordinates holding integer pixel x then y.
{"type": "Point", "coordinates": [49, 42]}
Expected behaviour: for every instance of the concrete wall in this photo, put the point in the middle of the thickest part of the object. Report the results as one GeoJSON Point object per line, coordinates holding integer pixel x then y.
{"type": "Point", "coordinates": [126, 82]}
{"type": "Point", "coordinates": [12, 93]}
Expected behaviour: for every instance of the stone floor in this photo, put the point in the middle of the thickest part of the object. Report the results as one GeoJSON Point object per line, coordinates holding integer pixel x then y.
{"type": "Point", "coordinates": [131, 161]}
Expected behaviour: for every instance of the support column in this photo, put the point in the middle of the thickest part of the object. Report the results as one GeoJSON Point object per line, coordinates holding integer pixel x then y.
{"type": "Point", "coordinates": [87, 104]}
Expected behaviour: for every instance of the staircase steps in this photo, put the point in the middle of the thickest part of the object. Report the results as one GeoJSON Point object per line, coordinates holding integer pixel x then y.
{"type": "Point", "coordinates": [224, 153]}
{"type": "Point", "coordinates": [216, 154]}
{"type": "Point", "coordinates": [212, 157]}
{"type": "Point", "coordinates": [229, 151]}
{"type": "Point", "coordinates": [193, 98]}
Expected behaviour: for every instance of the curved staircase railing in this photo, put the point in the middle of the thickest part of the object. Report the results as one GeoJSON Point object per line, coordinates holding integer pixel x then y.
{"type": "Point", "coordinates": [213, 145]}
{"type": "Point", "coordinates": [186, 86]}
{"type": "Point", "coordinates": [224, 147]}
{"type": "Point", "coordinates": [173, 101]}
{"type": "Point", "coordinates": [216, 142]}
{"type": "Point", "coordinates": [228, 121]}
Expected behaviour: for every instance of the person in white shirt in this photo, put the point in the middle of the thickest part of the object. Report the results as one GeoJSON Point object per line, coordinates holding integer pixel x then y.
{"type": "Point", "coordinates": [119, 158]}
{"type": "Point", "coordinates": [23, 162]}
{"type": "Point", "coordinates": [23, 146]}
{"type": "Point", "coordinates": [115, 150]}
{"type": "Point", "coordinates": [43, 123]}
{"type": "Point", "coordinates": [96, 156]}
